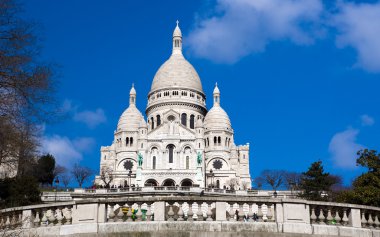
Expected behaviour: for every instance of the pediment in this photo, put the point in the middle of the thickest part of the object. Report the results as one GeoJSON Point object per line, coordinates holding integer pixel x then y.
{"type": "Point", "coordinates": [171, 130]}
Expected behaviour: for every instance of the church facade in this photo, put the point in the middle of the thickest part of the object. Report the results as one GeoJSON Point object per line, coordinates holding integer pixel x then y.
{"type": "Point", "coordinates": [181, 143]}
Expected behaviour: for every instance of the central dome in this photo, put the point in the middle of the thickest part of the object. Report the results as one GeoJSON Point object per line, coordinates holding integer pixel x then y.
{"type": "Point", "coordinates": [176, 72]}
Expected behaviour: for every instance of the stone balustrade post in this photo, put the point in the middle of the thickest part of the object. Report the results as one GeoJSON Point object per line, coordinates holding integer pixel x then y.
{"type": "Point", "coordinates": [354, 219]}
{"type": "Point", "coordinates": [159, 211]}
{"type": "Point", "coordinates": [220, 211]}
{"type": "Point", "coordinates": [84, 213]}
{"type": "Point", "coordinates": [102, 213]}
{"type": "Point", "coordinates": [279, 213]}
{"type": "Point", "coordinates": [26, 218]}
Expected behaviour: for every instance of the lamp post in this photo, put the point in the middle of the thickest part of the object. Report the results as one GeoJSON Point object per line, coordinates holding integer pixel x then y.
{"type": "Point", "coordinates": [129, 177]}
{"type": "Point", "coordinates": [56, 188]}
{"type": "Point", "coordinates": [292, 184]}
{"type": "Point", "coordinates": [212, 178]}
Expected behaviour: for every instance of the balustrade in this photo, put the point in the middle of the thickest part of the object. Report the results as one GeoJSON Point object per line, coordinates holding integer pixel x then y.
{"type": "Point", "coordinates": [370, 218]}
{"type": "Point", "coordinates": [189, 209]}
{"type": "Point", "coordinates": [11, 220]}
{"type": "Point", "coordinates": [329, 215]}
{"type": "Point", "coordinates": [39, 217]}
{"type": "Point", "coordinates": [130, 211]}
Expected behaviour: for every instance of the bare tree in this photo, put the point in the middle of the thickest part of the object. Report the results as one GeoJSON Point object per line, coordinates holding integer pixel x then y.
{"type": "Point", "coordinates": [292, 180]}
{"type": "Point", "coordinates": [106, 175]}
{"type": "Point", "coordinates": [26, 90]}
{"type": "Point", "coordinates": [81, 174]}
{"type": "Point", "coordinates": [273, 177]}
{"type": "Point", "coordinates": [66, 178]}
{"type": "Point", "coordinates": [59, 170]}
{"type": "Point", "coordinates": [246, 185]}
{"type": "Point", "coordinates": [233, 183]}
{"type": "Point", "coordinates": [259, 181]}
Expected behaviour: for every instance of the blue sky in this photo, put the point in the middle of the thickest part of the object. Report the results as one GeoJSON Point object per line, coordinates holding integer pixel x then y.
{"type": "Point", "coordinates": [299, 79]}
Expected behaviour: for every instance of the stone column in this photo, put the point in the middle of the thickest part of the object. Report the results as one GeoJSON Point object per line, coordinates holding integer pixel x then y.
{"type": "Point", "coordinates": [26, 218]}
{"type": "Point", "coordinates": [354, 218]}
{"type": "Point", "coordinates": [220, 209]}
{"type": "Point", "coordinates": [102, 213]}
{"type": "Point", "coordinates": [159, 211]}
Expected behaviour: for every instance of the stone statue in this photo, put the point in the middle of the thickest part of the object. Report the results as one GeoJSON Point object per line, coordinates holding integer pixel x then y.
{"type": "Point", "coordinates": [140, 159]}
{"type": "Point", "coordinates": [199, 158]}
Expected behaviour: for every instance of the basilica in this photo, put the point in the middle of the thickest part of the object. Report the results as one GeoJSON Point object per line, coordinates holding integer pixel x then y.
{"type": "Point", "coordinates": [181, 142]}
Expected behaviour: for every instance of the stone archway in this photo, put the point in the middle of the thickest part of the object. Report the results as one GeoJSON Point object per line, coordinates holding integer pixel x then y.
{"type": "Point", "coordinates": [151, 183]}
{"type": "Point", "coordinates": [187, 183]}
{"type": "Point", "coordinates": [168, 183]}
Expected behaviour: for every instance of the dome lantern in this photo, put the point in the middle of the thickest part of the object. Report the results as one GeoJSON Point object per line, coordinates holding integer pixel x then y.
{"type": "Point", "coordinates": [216, 95]}
{"type": "Point", "coordinates": [177, 40]}
{"type": "Point", "coordinates": [132, 96]}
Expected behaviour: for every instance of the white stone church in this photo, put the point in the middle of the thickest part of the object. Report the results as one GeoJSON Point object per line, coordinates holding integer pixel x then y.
{"type": "Point", "coordinates": [181, 143]}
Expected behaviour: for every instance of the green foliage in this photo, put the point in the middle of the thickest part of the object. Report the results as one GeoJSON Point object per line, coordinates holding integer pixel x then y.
{"type": "Point", "coordinates": [20, 191]}
{"type": "Point", "coordinates": [369, 159]}
{"type": "Point", "coordinates": [316, 183]}
{"type": "Point", "coordinates": [45, 169]}
{"type": "Point", "coordinates": [366, 187]}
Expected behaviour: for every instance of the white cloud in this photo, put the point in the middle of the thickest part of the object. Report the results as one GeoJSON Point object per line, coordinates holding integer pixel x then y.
{"type": "Point", "coordinates": [238, 28]}
{"type": "Point", "coordinates": [67, 106]}
{"type": "Point", "coordinates": [66, 151]}
{"type": "Point", "coordinates": [88, 117]}
{"type": "Point", "coordinates": [91, 118]}
{"type": "Point", "coordinates": [359, 28]}
{"type": "Point", "coordinates": [242, 27]}
{"type": "Point", "coordinates": [367, 120]}
{"type": "Point", "coordinates": [343, 148]}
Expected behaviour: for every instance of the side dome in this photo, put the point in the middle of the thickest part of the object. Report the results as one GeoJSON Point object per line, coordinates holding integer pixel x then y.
{"type": "Point", "coordinates": [130, 120]}
{"type": "Point", "coordinates": [217, 119]}
{"type": "Point", "coordinates": [176, 72]}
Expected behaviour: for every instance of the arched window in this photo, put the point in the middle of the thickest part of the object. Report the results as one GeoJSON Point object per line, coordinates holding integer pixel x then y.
{"type": "Point", "coordinates": [226, 142]}
{"type": "Point", "coordinates": [142, 145]}
{"type": "Point", "coordinates": [187, 162]}
{"type": "Point", "coordinates": [184, 119]}
{"type": "Point", "coordinates": [192, 118]}
{"type": "Point", "coordinates": [152, 123]}
{"type": "Point", "coordinates": [154, 162]}
{"type": "Point", "coordinates": [218, 184]}
{"type": "Point", "coordinates": [158, 120]}
{"type": "Point", "coordinates": [208, 142]}
{"type": "Point", "coordinates": [219, 141]}
{"type": "Point", "coordinates": [127, 141]}
{"type": "Point", "coordinates": [215, 140]}
{"type": "Point", "coordinates": [131, 141]}
{"type": "Point", "coordinates": [171, 153]}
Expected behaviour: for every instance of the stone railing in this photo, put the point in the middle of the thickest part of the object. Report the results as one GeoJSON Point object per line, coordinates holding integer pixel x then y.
{"type": "Point", "coordinates": [221, 213]}
{"type": "Point", "coordinates": [189, 209]}
{"type": "Point", "coordinates": [37, 215]}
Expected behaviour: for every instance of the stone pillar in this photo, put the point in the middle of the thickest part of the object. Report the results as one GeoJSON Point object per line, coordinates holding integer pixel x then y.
{"type": "Point", "coordinates": [159, 211]}
{"type": "Point", "coordinates": [102, 213]}
{"type": "Point", "coordinates": [354, 218]}
{"type": "Point", "coordinates": [85, 213]}
{"type": "Point", "coordinates": [26, 218]}
{"type": "Point", "coordinates": [279, 213]}
{"type": "Point", "coordinates": [220, 211]}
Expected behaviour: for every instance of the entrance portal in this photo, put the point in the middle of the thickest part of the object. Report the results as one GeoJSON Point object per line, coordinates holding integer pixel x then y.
{"type": "Point", "coordinates": [186, 183]}
{"type": "Point", "coordinates": [151, 183]}
{"type": "Point", "coordinates": [168, 183]}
